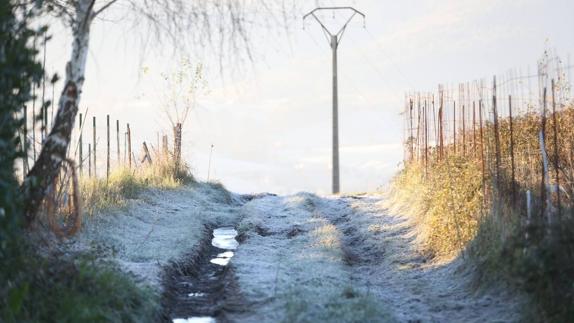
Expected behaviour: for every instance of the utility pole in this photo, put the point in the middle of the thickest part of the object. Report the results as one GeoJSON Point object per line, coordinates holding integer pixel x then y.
{"type": "Point", "coordinates": [335, 40]}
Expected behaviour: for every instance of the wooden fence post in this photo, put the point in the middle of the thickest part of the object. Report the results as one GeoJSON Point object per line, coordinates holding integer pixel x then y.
{"type": "Point", "coordinates": [118, 142]}
{"type": "Point", "coordinates": [482, 161]}
{"type": "Point", "coordinates": [513, 187]}
{"type": "Point", "coordinates": [418, 149]}
{"type": "Point", "coordinates": [425, 135]}
{"type": "Point", "coordinates": [496, 132]}
{"type": "Point", "coordinates": [542, 138]}
{"type": "Point", "coordinates": [177, 145]}
{"type": "Point", "coordinates": [440, 123]}
{"type": "Point", "coordinates": [463, 131]}
{"type": "Point", "coordinates": [94, 144]}
{"type": "Point", "coordinates": [25, 165]}
{"type": "Point", "coordinates": [556, 155]}
{"type": "Point", "coordinates": [89, 160]}
{"type": "Point", "coordinates": [108, 147]}
{"type": "Point", "coordinates": [474, 146]}
{"type": "Point", "coordinates": [129, 146]}
{"type": "Point", "coordinates": [454, 126]}
{"type": "Point", "coordinates": [34, 121]}
{"type": "Point", "coordinates": [435, 133]}
{"type": "Point", "coordinates": [81, 146]}
{"type": "Point", "coordinates": [411, 138]}
{"type": "Point", "coordinates": [165, 148]}
{"type": "Point", "coordinates": [147, 155]}
{"type": "Point", "coordinates": [44, 107]}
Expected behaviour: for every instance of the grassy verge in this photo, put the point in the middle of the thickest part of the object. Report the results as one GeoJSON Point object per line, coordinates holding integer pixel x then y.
{"type": "Point", "coordinates": [503, 245]}
{"type": "Point", "coordinates": [124, 184]}
{"type": "Point", "coordinates": [56, 288]}
{"type": "Point", "coordinates": [62, 290]}
{"type": "Point", "coordinates": [445, 201]}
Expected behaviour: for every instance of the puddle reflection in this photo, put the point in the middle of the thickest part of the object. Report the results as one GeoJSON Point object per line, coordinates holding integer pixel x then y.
{"type": "Point", "coordinates": [222, 259]}
{"type": "Point", "coordinates": [199, 319]}
{"type": "Point", "coordinates": [224, 238]}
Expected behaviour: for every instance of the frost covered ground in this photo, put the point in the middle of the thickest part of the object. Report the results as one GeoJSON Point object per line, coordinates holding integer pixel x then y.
{"type": "Point", "coordinates": [310, 258]}
{"type": "Point", "coordinates": [301, 258]}
{"type": "Point", "coordinates": [158, 227]}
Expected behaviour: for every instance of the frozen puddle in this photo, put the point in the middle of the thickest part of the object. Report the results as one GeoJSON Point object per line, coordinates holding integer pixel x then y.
{"type": "Point", "coordinates": [205, 319]}
{"type": "Point", "coordinates": [198, 297]}
{"type": "Point", "coordinates": [224, 238]}
{"type": "Point", "coordinates": [222, 259]}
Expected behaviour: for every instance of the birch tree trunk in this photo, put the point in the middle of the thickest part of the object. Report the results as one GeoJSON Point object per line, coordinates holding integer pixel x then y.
{"type": "Point", "coordinates": [39, 180]}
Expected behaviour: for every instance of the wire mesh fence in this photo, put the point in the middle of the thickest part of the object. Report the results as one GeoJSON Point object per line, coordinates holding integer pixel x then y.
{"type": "Point", "coordinates": [518, 127]}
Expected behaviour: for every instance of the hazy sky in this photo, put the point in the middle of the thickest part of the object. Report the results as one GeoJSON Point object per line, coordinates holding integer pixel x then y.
{"type": "Point", "coordinates": [271, 121]}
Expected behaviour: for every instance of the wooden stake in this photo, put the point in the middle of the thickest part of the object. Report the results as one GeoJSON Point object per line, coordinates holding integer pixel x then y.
{"type": "Point", "coordinates": [463, 133]}
{"type": "Point", "coordinates": [34, 121]}
{"type": "Point", "coordinates": [89, 160]}
{"type": "Point", "coordinates": [108, 147]}
{"type": "Point", "coordinates": [418, 149]}
{"type": "Point", "coordinates": [81, 146]}
{"type": "Point", "coordinates": [94, 146]}
{"type": "Point", "coordinates": [129, 146]}
{"type": "Point", "coordinates": [440, 124]}
{"type": "Point", "coordinates": [556, 155]}
{"type": "Point", "coordinates": [25, 144]}
{"type": "Point", "coordinates": [411, 138]}
{"type": "Point", "coordinates": [474, 129]}
{"type": "Point", "coordinates": [496, 132]}
{"type": "Point", "coordinates": [482, 161]}
{"type": "Point", "coordinates": [513, 187]}
{"type": "Point", "coordinates": [147, 155]}
{"type": "Point", "coordinates": [118, 141]}
{"type": "Point", "coordinates": [426, 135]}
{"type": "Point", "coordinates": [543, 152]}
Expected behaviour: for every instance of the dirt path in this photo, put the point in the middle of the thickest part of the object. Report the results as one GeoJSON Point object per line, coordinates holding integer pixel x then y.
{"type": "Point", "coordinates": [302, 258]}
{"type": "Point", "coordinates": [309, 258]}
{"type": "Point", "coordinates": [418, 290]}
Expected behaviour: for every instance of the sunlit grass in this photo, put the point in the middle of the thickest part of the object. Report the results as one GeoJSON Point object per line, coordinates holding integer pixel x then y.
{"type": "Point", "coordinates": [445, 203]}
{"type": "Point", "coordinates": [125, 183]}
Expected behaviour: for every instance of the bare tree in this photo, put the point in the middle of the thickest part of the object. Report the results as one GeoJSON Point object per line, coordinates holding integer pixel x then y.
{"type": "Point", "coordinates": [220, 24]}
{"type": "Point", "coordinates": [182, 88]}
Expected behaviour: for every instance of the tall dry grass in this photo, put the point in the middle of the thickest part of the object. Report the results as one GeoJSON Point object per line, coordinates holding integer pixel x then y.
{"type": "Point", "coordinates": [125, 183]}
{"type": "Point", "coordinates": [445, 202]}
{"type": "Point", "coordinates": [458, 208]}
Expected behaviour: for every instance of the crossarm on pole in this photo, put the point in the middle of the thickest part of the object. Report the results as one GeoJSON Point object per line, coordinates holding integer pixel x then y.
{"type": "Point", "coordinates": [341, 31]}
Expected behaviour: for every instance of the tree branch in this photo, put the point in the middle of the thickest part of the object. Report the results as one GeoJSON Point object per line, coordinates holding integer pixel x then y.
{"type": "Point", "coordinates": [104, 7]}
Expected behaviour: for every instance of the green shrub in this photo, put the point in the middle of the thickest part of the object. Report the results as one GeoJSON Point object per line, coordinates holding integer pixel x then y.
{"type": "Point", "coordinates": [59, 290]}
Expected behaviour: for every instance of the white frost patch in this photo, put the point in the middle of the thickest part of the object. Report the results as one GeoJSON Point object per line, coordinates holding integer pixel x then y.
{"type": "Point", "coordinates": [160, 226]}
{"type": "Point", "coordinates": [295, 272]}
{"type": "Point", "coordinates": [347, 259]}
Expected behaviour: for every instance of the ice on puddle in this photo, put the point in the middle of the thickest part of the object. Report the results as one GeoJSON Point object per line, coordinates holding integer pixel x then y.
{"type": "Point", "coordinates": [222, 258]}
{"type": "Point", "coordinates": [220, 261]}
{"type": "Point", "coordinates": [224, 238]}
{"type": "Point", "coordinates": [227, 254]}
{"type": "Point", "coordinates": [199, 319]}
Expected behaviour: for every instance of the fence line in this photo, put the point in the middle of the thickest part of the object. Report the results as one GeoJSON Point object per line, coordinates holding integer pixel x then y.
{"type": "Point", "coordinates": [28, 136]}
{"type": "Point", "coordinates": [521, 130]}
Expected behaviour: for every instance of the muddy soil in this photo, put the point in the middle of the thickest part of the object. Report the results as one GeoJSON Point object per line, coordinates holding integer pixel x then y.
{"type": "Point", "coordinates": [201, 287]}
